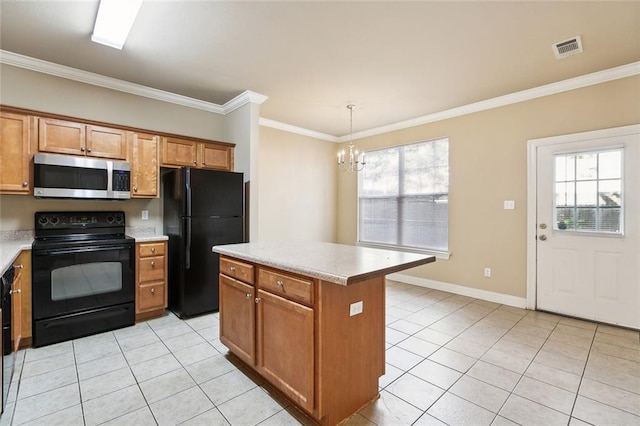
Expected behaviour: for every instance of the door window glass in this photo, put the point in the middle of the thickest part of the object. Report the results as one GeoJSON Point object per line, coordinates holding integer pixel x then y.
{"type": "Point", "coordinates": [588, 192]}
{"type": "Point", "coordinates": [87, 279]}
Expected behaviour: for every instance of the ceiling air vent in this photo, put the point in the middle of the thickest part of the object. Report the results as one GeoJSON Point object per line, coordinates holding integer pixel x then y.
{"type": "Point", "coordinates": [568, 47]}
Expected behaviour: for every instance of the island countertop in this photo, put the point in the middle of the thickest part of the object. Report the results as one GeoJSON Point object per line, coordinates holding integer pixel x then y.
{"type": "Point", "coordinates": [335, 263]}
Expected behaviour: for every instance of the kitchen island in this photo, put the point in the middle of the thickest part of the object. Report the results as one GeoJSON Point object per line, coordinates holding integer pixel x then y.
{"type": "Point", "coordinates": [309, 317]}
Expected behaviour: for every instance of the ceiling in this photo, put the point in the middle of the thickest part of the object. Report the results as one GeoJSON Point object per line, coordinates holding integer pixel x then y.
{"type": "Point", "coordinates": [394, 60]}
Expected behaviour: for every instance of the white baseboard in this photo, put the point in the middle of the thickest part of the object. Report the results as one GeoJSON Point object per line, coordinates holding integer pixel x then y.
{"type": "Point", "coordinates": [505, 299]}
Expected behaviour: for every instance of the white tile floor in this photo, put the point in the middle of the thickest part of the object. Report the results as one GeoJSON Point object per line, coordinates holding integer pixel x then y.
{"type": "Point", "coordinates": [450, 360]}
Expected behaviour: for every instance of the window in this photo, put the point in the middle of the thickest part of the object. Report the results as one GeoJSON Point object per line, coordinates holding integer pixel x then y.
{"type": "Point", "coordinates": [588, 189]}
{"type": "Point", "coordinates": [403, 197]}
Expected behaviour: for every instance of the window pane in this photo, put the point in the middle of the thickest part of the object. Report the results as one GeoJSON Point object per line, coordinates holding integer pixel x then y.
{"type": "Point", "coordinates": [586, 193]}
{"type": "Point", "coordinates": [565, 167]}
{"type": "Point", "coordinates": [610, 164]}
{"type": "Point", "coordinates": [379, 220]}
{"type": "Point", "coordinates": [565, 194]}
{"type": "Point", "coordinates": [610, 220]}
{"type": "Point", "coordinates": [610, 192]}
{"type": "Point", "coordinates": [587, 166]}
{"type": "Point", "coordinates": [565, 219]}
{"type": "Point", "coordinates": [380, 175]}
{"type": "Point", "coordinates": [425, 222]}
{"type": "Point", "coordinates": [586, 219]}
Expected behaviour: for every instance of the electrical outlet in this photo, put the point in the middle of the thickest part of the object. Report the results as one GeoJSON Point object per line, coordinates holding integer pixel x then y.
{"type": "Point", "coordinates": [509, 204]}
{"type": "Point", "coordinates": [487, 272]}
{"type": "Point", "coordinates": [145, 214]}
{"type": "Point", "coordinates": [355, 308]}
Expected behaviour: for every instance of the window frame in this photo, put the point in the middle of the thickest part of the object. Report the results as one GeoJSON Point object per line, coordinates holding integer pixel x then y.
{"type": "Point", "coordinates": [446, 254]}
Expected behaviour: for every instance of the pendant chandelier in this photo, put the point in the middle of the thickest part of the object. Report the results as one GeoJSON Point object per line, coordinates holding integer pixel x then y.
{"type": "Point", "coordinates": [355, 163]}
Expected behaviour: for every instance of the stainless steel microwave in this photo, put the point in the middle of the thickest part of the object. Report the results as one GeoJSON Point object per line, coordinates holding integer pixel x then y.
{"type": "Point", "coordinates": [65, 176]}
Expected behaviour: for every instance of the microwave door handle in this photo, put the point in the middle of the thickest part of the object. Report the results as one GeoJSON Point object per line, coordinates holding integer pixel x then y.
{"type": "Point", "coordinates": [187, 249]}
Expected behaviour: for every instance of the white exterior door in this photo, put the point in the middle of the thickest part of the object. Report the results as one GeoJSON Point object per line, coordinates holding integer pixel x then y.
{"type": "Point", "coordinates": [588, 226]}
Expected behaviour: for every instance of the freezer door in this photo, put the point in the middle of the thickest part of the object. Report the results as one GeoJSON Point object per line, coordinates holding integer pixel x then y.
{"type": "Point", "coordinates": [200, 285]}
{"type": "Point", "coordinates": [215, 193]}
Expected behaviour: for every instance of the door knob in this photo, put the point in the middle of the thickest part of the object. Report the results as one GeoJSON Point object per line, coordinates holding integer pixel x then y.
{"type": "Point", "coordinates": [542, 237]}
{"type": "Point", "coordinates": [543, 226]}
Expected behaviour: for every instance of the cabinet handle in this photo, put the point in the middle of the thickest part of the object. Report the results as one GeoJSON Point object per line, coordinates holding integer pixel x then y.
{"type": "Point", "coordinates": [18, 266]}
{"type": "Point", "coordinates": [153, 290]}
{"type": "Point", "coordinates": [279, 283]}
{"type": "Point", "coordinates": [82, 149]}
{"type": "Point", "coordinates": [135, 189]}
{"type": "Point", "coordinates": [153, 263]}
{"type": "Point", "coordinates": [248, 295]}
{"type": "Point", "coordinates": [195, 162]}
{"type": "Point", "coordinates": [25, 184]}
{"type": "Point", "coordinates": [153, 249]}
{"type": "Point", "coordinates": [258, 300]}
{"type": "Point", "coordinates": [232, 268]}
{"type": "Point", "coordinates": [18, 291]}
{"type": "Point", "coordinates": [88, 149]}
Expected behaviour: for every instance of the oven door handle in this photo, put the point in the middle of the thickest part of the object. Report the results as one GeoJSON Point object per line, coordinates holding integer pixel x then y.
{"type": "Point", "coordinates": [69, 250]}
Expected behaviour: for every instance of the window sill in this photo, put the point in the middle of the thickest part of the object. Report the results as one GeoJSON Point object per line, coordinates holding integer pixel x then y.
{"type": "Point", "coordinates": [443, 255]}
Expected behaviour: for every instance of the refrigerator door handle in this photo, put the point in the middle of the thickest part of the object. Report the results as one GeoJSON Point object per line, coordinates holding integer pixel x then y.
{"type": "Point", "coordinates": [187, 250]}
{"type": "Point", "coordinates": [187, 184]}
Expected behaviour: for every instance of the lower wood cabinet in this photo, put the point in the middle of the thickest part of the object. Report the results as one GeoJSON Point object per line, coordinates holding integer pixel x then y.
{"type": "Point", "coordinates": [298, 333]}
{"type": "Point", "coordinates": [151, 279]}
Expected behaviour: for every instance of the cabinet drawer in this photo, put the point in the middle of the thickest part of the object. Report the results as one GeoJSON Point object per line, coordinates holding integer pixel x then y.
{"type": "Point", "coordinates": [151, 269]}
{"type": "Point", "coordinates": [285, 285]}
{"type": "Point", "coordinates": [151, 249]}
{"type": "Point", "coordinates": [235, 269]}
{"type": "Point", "coordinates": [151, 296]}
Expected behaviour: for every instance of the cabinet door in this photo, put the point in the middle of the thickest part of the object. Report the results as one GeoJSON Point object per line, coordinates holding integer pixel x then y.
{"type": "Point", "coordinates": [217, 157]}
{"type": "Point", "coordinates": [25, 294]}
{"type": "Point", "coordinates": [144, 165]}
{"type": "Point", "coordinates": [62, 137]}
{"type": "Point", "coordinates": [105, 142]}
{"type": "Point", "coordinates": [16, 309]}
{"type": "Point", "coordinates": [286, 347]}
{"type": "Point", "coordinates": [179, 152]}
{"type": "Point", "coordinates": [15, 153]}
{"type": "Point", "coordinates": [237, 318]}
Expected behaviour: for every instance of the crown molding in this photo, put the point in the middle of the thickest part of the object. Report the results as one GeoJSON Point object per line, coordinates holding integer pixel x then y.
{"type": "Point", "coordinates": [586, 80]}
{"type": "Point", "coordinates": [50, 68]}
{"type": "Point", "coordinates": [38, 65]}
{"type": "Point", "coordinates": [298, 130]}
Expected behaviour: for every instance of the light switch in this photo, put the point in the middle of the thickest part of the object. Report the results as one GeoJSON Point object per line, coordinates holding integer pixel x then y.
{"type": "Point", "coordinates": [145, 214]}
{"type": "Point", "coordinates": [355, 308]}
{"type": "Point", "coordinates": [509, 205]}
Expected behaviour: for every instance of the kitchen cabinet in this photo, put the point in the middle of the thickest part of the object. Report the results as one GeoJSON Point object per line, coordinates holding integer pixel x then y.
{"type": "Point", "coordinates": [178, 152]}
{"type": "Point", "coordinates": [16, 308]}
{"type": "Point", "coordinates": [151, 279]}
{"type": "Point", "coordinates": [26, 333]}
{"type": "Point", "coordinates": [69, 137]}
{"type": "Point", "coordinates": [145, 167]}
{"type": "Point", "coordinates": [16, 152]}
{"type": "Point", "coordinates": [267, 328]}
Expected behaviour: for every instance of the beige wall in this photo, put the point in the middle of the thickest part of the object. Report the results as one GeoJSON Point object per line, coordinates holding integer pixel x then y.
{"type": "Point", "coordinates": [297, 187]}
{"type": "Point", "coordinates": [488, 164]}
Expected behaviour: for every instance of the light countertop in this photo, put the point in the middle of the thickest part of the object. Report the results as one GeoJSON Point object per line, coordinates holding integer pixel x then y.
{"type": "Point", "coordinates": [9, 251]}
{"type": "Point", "coordinates": [336, 263]}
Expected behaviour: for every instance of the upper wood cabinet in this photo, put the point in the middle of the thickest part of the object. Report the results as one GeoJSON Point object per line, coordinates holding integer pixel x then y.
{"type": "Point", "coordinates": [16, 151]}
{"type": "Point", "coordinates": [68, 137]}
{"type": "Point", "coordinates": [145, 166]}
{"type": "Point", "coordinates": [177, 152]}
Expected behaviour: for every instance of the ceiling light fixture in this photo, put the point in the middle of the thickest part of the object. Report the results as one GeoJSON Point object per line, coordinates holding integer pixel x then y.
{"type": "Point", "coordinates": [114, 21]}
{"type": "Point", "coordinates": [356, 159]}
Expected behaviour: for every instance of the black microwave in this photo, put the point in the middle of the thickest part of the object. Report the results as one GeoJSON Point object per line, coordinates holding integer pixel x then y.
{"type": "Point", "coordinates": [65, 176]}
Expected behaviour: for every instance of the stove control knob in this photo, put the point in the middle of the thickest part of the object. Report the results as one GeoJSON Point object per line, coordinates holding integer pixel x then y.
{"type": "Point", "coordinates": [119, 218]}
{"type": "Point", "coordinates": [54, 220]}
{"type": "Point", "coordinates": [43, 220]}
{"type": "Point", "coordinates": [110, 219]}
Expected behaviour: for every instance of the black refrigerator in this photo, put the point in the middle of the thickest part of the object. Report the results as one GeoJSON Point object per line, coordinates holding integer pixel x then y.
{"type": "Point", "coordinates": [201, 208]}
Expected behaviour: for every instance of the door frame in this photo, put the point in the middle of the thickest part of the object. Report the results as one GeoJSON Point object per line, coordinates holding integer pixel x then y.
{"type": "Point", "coordinates": [532, 192]}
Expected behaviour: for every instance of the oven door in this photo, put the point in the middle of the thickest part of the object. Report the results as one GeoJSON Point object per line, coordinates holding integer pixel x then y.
{"type": "Point", "coordinates": [77, 278]}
